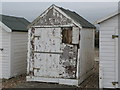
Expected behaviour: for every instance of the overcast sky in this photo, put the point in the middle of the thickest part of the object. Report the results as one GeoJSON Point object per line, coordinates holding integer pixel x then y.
{"type": "Point", "coordinates": [91, 11]}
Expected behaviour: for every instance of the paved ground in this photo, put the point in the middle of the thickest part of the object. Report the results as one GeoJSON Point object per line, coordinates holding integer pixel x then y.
{"type": "Point", "coordinates": [93, 80]}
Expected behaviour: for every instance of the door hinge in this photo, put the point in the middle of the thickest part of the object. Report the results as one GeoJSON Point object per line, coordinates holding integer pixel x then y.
{"type": "Point", "coordinates": [1, 49]}
{"type": "Point", "coordinates": [115, 36]}
{"type": "Point", "coordinates": [36, 68]}
{"type": "Point", "coordinates": [114, 83]}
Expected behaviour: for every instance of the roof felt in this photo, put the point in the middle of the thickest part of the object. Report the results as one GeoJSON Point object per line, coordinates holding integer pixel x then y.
{"type": "Point", "coordinates": [77, 18]}
{"type": "Point", "coordinates": [15, 23]}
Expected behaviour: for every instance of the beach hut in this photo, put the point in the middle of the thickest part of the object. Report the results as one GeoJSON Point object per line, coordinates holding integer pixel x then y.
{"type": "Point", "coordinates": [13, 46]}
{"type": "Point", "coordinates": [60, 47]}
{"type": "Point", "coordinates": [109, 72]}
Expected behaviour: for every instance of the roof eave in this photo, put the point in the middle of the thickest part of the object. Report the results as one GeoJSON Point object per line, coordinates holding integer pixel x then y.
{"type": "Point", "coordinates": [5, 27]}
{"type": "Point", "coordinates": [107, 17]}
{"type": "Point", "coordinates": [19, 30]}
{"type": "Point", "coordinates": [90, 27]}
{"type": "Point", "coordinates": [40, 16]}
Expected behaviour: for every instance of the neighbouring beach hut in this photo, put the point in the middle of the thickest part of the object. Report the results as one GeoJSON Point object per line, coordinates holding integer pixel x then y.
{"type": "Point", "coordinates": [13, 46]}
{"type": "Point", "coordinates": [60, 47]}
{"type": "Point", "coordinates": [109, 72]}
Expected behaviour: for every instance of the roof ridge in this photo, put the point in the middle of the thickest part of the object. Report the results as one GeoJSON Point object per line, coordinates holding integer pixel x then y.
{"type": "Point", "coordinates": [11, 16]}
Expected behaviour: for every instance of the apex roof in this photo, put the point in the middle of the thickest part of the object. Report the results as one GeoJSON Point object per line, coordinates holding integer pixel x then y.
{"type": "Point", "coordinates": [15, 23]}
{"type": "Point", "coordinates": [80, 21]}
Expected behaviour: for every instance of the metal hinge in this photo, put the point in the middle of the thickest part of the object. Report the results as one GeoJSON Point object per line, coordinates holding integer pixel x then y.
{"type": "Point", "coordinates": [36, 68]}
{"type": "Point", "coordinates": [115, 36]}
{"type": "Point", "coordinates": [114, 83]}
{"type": "Point", "coordinates": [1, 49]}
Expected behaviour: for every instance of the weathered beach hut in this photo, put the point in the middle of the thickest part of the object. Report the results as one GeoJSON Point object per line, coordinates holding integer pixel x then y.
{"type": "Point", "coordinates": [13, 46]}
{"type": "Point", "coordinates": [109, 73]}
{"type": "Point", "coordinates": [60, 47]}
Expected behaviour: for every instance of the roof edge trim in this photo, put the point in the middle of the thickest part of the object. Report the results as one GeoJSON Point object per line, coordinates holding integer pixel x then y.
{"type": "Point", "coordinates": [77, 24]}
{"type": "Point", "coordinates": [40, 16]}
{"type": "Point", "coordinates": [107, 17]}
{"type": "Point", "coordinates": [5, 27]}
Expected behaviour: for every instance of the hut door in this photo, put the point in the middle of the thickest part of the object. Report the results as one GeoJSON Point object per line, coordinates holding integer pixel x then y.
{"type": "Point", "coordinates": [55, 52]}
{"type": "Point", "coordinates": [115, 37]}
{"type": "Point", "coordinates": [119, 57]}
{"type": "Point", "coordinates": [108, 57]}
{"type": "Point", "coordinates": [47, 52]}
{"type": "Point", "coordinates": [1, 49]}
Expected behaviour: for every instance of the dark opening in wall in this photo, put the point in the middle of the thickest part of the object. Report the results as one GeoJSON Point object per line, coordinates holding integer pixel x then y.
{"type": "Point", "coordinates": [67, 35]}
{"type": "Point", "coordinates": [97, 38]}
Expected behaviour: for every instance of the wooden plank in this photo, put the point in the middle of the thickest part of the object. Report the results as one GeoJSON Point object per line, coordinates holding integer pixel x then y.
{"type": "Point", "coordinates": [49, 40]}
{"type": "Point", "coordinates": [75, 35]}
{"type": "Point", "coordinates": [45, 64]}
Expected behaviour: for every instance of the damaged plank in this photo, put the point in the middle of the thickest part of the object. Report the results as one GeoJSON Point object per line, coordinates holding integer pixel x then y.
{"type": "Point", "coordinates": [68, 62]}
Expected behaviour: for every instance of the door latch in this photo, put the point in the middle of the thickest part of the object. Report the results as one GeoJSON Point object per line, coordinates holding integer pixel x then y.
{"type": "Point", "coordinates": [114, 83]}
{"type": "Point", "coordinates": [114, 36]}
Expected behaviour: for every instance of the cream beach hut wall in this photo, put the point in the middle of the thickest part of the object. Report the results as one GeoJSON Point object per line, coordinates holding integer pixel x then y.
{"type": "Point", "coordinates": [109, 73]}
{"type": "Point", "coordinates": [60, 47]}
{"type": "Point", "coordinates": [13, 46]}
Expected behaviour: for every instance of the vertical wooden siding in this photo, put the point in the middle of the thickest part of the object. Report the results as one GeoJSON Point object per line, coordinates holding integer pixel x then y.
{"type": "Point", "coordinates": [5, 54]}
{"type": "Point", "coordinates": [18, 53]}
{"type": "Point", "coordinates": [86, 63]}
{"type": "Point", "coordinates": [108, 52]}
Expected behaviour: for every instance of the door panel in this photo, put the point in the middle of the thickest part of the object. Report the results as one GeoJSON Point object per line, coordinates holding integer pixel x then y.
{"type": "Point", "coordinates": [108, 49]}
{"type": "Point", "coordinates": [47, 52]}
{"type": "Point", "coordinates": [116, 55]}
{"type": "Point", "coordinates": [52, 57]}
{"type": "Point", "coordinates": [0, 52]}
{"type": "Point", "coordinates": [47, 39]}
{"type": "Point", "coordinates": [119, 49]}
{"type": "Point", "coordinates": [46, 65]}
{"type": "Point", "coordinates": [68, 61]}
